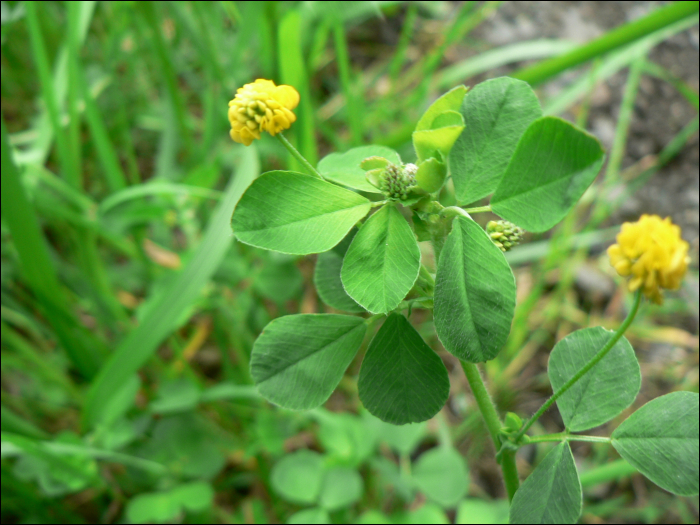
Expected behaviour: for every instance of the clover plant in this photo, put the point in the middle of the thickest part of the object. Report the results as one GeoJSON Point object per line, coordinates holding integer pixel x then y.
{"type": "Point", "coordinates": [364, 211]}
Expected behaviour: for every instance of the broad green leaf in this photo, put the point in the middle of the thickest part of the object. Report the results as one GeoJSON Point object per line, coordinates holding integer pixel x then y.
{"type": "Point", "coordinates": [606, 390]}
{"type": "Point", "coordinates": [382, 261]}
{"type": "Point", "coordinates": [327, 277]}
{"type": "Point", "coordinates": [450, 101]}
{"type": "Point", "coordinates": [480, 511]}
{"type": "Point", "coordinates": [309, 516]}
{"type": "Point", "coordinates": [496, 113]}
{"type": "Point", "coordinates": [298, 360]}
{"type": "Point", "coordinates": [552, 493]}
{"type": "Point", "coordinates": [553, 164]}
{"type": "Point", "coordinates": [344, 168]}
{"type": "Point", "coordinates": [401, 379]}
{"type": "Point", "coordinates": [441, 475]}
{"type": "Point", "coordinates": [342, 486]}
{"type": "Point", "coordinates": [297, 477]}
{"type": "Point", "coordinates": [296, 213]}
{"type": "Point", "coordinates": [661, 441]}
{"type": "Point", "coordinates": [474, 294]}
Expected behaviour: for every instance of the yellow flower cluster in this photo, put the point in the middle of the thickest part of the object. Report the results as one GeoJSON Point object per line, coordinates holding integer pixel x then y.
{"type": "Point", "coordinates": [652, 253]}
{"type": "Point", "coordinates": [261, 106]}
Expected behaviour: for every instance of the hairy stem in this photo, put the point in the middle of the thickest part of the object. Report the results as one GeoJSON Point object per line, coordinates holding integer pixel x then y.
{"type": "Point", "coordinates": [563, 436]}
{"type": "Point", "coordinates": [493, 424]}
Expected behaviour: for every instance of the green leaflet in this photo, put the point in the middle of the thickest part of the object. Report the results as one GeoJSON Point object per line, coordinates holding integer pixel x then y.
{"type": "Point", "coordinates": [297, 477]}
{"type": "Point", "coordinates": [496, 113]}
{"type": "Point", "coordinates": [342, 486]}
{"type": "Point", "coordinates": [441, 475]}
{"type": "Point", "coordinates": [552, 166]}
{"type": "Point", "coordinates": [344, 168]}
{"type": "Point", "coordinates": [298, 360]}
{"type": "Point", "coordinates": [295, 213]}
{"type": "Point", "coordinates": [552, 493]}
{"type": "Point", "coordinates": [606, 390]}
{"type": "Point", "coordinates": [402, 380]}
{"type": "Point", "coordinates": [439, 126]}
{"type": "Point", "coordinates": [327, 277]}
{"type": "Point", "coordinates": [661, 440]}
{"type": "Point", "coordinates": [474, 294]}
{"type": "Point", "coordinates": [382, 262]}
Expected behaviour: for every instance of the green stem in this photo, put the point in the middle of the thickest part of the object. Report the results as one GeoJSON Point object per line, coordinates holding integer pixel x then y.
{"type": "Point", "coordinates": [594, 361]}
{"type": "Point", "coordinates": [427, 276]}
{"type": "Point", "coordinates": [453, 211]}
{"type": "Point", "coordinates": [562, 436]}
{"type": "Point", "coordinates": [298, 156]}
{"type": "Point", "coordinates": [478, 209]}
{"type": "Point", "coordinates": [493, 424]}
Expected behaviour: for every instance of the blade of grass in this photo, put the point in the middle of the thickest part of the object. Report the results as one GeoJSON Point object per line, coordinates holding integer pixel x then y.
{"type": "Point", "coordinates": [68, 167]}
{"type": "Point", "coordinates": [37, 266]}
{"type": "Point", "coordinates": [612, 40]}
{"type": "Point", "coordinates": [612, 64]}
{"type": "Point", "coordinates": [488, 60]}
{"type": "Point", "coordinates": [293, 72]}
{"type": "Point", "coordinates": [156, 188]}
{"type": "Point", "coordinates": [11, 422]}
{"type": "Point", "coordinates": [651, 68]}
{"type": "Point", "coordinates": [166, 309]}
{"type": "Point", "coordinates": [348, 86]}
{"type": "Point", "coordinates": [409, 23]}
{"type": "Point", "coordinates": [168, 71]}
{"type": "Point", "coordinates": [44, 137]}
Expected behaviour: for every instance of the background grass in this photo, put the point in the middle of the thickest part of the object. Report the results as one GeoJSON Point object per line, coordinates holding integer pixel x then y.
{"type": "Point", "coordinates": [128, 312]}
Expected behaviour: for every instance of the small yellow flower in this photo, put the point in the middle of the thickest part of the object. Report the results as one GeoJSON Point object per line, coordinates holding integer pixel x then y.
{"type": "Point", "coordinates": [652, 253]}
{"type": "Point", "coordinates": [261, 106]}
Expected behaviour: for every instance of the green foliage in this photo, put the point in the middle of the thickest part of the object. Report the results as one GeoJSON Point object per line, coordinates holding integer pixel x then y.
{"type": "Point", "coordinates": [299, 359]}
{"type": "Point", "coordinates": [296, 213]}
{"type": "Point", "coordinates": [496, 113]}
{"type": "Point", "coordinates": [382, 261]}
{"type": "Point", "coordinates": [605, 391]}
{"type": "Point", "coordinates": [474, 294]}
{"type": "Point", "coordinates": [164, 507]}
{"type": "Point", "coordinates": [553, 164]}
{"type": "Point", "coordinates": [298, 477]}
{"type": "Point", "coordinates": [402, 380]}
{"type": "Point", "coordinates": [141, 343]}
{"type": "Point", "coordinates": [442, 476]}
{"type": "Point", "coordinates": [661, 440]}
{"type": "Point", "coordinates": [327, 277]}
{"type": "Point", "coordinates": [552, 493]}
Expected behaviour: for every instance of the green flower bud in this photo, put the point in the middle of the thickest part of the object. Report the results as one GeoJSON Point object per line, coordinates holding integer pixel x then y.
{"type": "Point", "coordinates": [504, 234]}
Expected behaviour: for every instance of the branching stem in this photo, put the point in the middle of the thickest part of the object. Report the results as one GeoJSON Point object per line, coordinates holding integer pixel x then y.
{"type": "Point", "coordinates": [594, 361]}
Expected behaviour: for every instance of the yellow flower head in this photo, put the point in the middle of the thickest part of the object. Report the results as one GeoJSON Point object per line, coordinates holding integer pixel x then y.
{"type": "Point", "coordinates": [261, 106]}
{"type": "Point", "coordinates": [652, 253]}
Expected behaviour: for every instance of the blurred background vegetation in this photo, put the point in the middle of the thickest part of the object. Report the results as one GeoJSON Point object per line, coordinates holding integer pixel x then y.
{"type": "Point", "coordinates": [129, 313]}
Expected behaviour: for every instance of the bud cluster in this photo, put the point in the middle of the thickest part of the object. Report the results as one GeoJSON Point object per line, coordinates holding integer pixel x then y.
{"type": "Point", "coordinates": [397, 181]}
{"type": "Point", "coordinates": [504, 234]}
{"type": "Point", "coordinates": [394, 180]}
